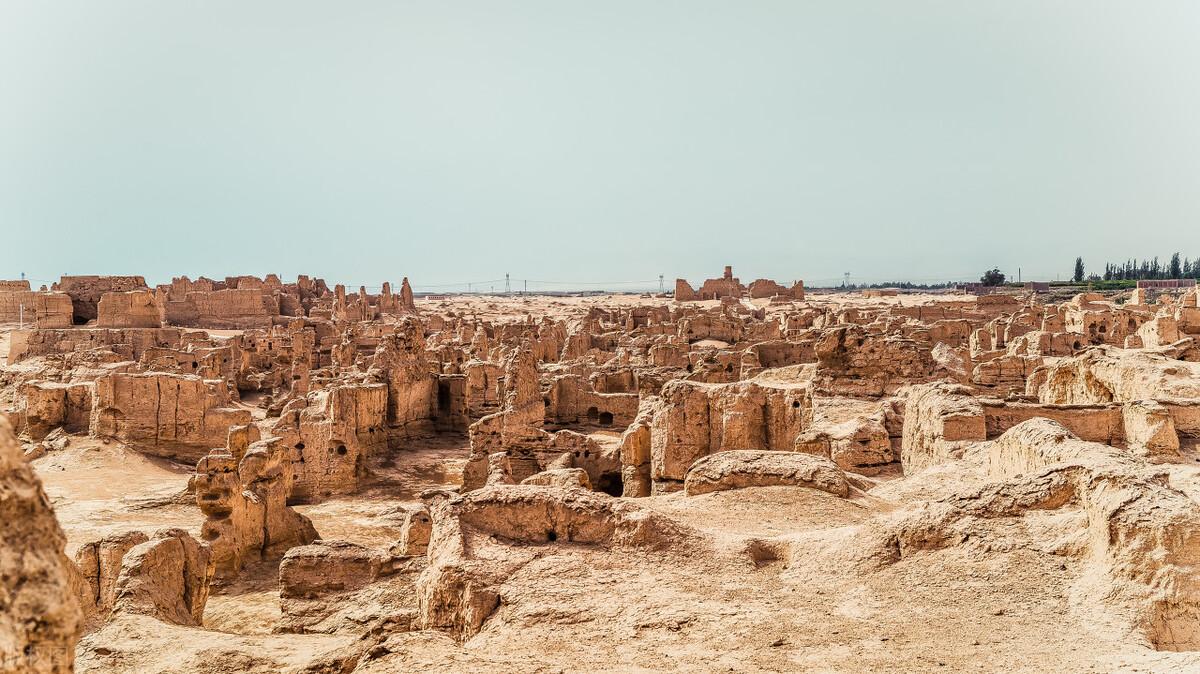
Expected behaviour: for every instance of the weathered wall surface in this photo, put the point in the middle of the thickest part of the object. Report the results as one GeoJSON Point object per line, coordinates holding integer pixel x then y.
{"type": "Point", "coordinates": [36, 309]}
{"type": "Point", "coordinates": [134, 309]}
{"type": "Point", "coordinates": [698, 419]}
{"type": "Point", "coordinates": [235, 308]}
{"type": "Point", "coordinates": [86, 291]}
{"type": "Point", "coordinates": [40, 618]}
{"type": "Point", "coordinates": [176, 416]}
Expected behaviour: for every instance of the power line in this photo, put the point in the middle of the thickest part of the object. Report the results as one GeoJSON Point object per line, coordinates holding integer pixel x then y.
{"type": "Point", "coordinates": [593, 283]}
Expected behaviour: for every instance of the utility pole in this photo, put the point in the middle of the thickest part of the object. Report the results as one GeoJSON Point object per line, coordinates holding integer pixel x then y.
{"type": "Point", "coordinates": [526, 291]}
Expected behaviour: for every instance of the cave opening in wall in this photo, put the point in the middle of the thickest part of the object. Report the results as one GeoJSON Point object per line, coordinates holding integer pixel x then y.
{"type": "Point", "coordinates": [610, 483]}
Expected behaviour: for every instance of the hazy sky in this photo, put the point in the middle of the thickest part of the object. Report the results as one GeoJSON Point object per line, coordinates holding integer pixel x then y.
{"type": "Point", "coordinates": [595, 141]}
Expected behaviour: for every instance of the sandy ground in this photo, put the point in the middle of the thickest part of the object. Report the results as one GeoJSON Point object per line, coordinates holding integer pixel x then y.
{"type": "Point", "coordinates": [99, 488]}
{"type": "Point", "coordinates": [1000, 604]}
{"type": "Point", "coordinates": [373, 516]}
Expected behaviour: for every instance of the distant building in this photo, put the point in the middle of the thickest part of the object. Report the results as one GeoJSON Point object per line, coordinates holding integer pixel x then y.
{"type": "Point", "coordinates": [730, 286]}
{"type": "Point", "coordinates": [1160, 284]}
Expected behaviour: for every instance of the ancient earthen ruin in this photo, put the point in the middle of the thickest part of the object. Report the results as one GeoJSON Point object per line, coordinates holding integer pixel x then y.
{"type": "Point", "coordinates": [248, 475]}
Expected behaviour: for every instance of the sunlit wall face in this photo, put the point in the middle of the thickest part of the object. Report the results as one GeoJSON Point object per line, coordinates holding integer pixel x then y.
{"type": "Point", "coordinates": [595, 141]}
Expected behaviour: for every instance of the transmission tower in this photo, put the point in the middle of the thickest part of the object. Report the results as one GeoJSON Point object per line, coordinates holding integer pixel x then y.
{"type": "Point", "coordinates": [507, 287]}
{"type": "Point", "coordinates": [845, 279]}
{"type": "Point", "coordinates": [662, 288]}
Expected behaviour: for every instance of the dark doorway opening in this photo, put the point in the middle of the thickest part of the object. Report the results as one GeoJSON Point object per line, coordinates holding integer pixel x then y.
{"type": "Point", "coordinates": [610, 483]}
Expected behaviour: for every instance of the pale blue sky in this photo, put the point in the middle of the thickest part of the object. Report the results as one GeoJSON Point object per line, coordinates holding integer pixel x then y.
{"type": "Point", "coordinates": [595, 141]}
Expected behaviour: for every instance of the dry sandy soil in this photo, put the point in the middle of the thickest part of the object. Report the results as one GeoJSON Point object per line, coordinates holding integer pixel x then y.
{"type": "Point", "coordinates": [999, 604]}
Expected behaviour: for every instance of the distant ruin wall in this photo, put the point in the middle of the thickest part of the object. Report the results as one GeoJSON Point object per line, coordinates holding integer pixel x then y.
{"type": "Point", "coordinates": [86, 291]}
{"type": "Point", "coordinates": [238, 308]}
{"type": "Point", "coordinates": [35, 309]}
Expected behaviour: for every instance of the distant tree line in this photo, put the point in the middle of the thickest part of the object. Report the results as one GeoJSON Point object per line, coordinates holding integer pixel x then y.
{"type": "Point", "coordinates": [1139, 270]}
{"type": "Point", "coordinates": [902, 285]}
